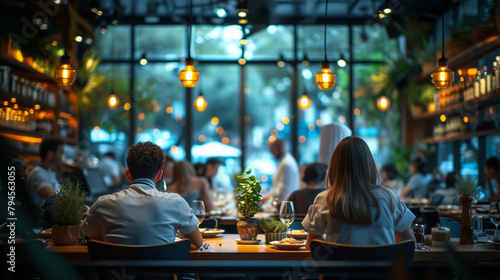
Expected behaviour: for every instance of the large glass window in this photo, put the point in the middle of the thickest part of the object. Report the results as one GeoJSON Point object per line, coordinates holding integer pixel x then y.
{"type": "Point", "coordinates": [115, 44]}
{"type": "Point", "coordinates": [160, 42]}
{"type": "Point", "coordinates": [160, 110]}
{"type": "Point", "coordinates": [270, 43]}
{"type": "Point", "coordinates": [216, 130]}
{"type": "Point", "coordinates": [267, 95]}
{"type": "Point", "coordinates": [373, 43]}
{"type": "Point", "coordinates": [217, 42]}
{"type": "Point", "coordinates": [311, 41]}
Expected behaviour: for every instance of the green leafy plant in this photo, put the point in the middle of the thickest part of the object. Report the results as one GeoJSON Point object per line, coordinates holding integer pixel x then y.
{"type": "Point", "coordinates": [69, 205]}
{"type": "Point", "coordinates": [464, 185]}
{"type": "Point", "coordinates": [248, 194]}
{"type": "Point", "coordinates": [272, 226]}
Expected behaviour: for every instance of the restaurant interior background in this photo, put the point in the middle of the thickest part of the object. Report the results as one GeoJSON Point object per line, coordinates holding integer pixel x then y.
{"type": "Point", "coordinates": [251, 75]}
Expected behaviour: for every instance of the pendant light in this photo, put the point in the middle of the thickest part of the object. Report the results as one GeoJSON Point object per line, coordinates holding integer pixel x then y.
{"type": "Point", "coordinates": [442, 77]}
{"type": "Point", "coordinates": [383, 103]}
{"type": "Point", "coordinates": [325, 79]}
{"type": "Point", "coordinates": [189, 76]}
{"type": "Point", "coordinates": [65, 75]}
{"type": "Point", "coordinates": [113, 100]}
{"type": "Point", "coordinates": [304, 102]}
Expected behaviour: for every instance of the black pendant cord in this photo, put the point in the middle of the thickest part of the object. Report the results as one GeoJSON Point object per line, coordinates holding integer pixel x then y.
{"type": "Point", "coordinates": [190, 28]}
{"type": "Point", "coordinates": [326, 13]}
{"type": "Point", "coordinates": [67, 29]}
{"type": "Point", "coordinates": [443, 31]}
{"type": "Point", "coordinates": [113, 69]}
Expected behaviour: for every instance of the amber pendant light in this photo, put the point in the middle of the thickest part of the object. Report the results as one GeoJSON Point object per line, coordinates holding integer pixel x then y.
{"type": "Point", "coordinates": [189, 76]}
{"type": "Point", "coordinates": [65, 75]}
{"type": "Point", "coordinates": [383, 103]}
{"type": "Point", "coordinates": [113, 100]}
{"type": "Point", "coordinates": [325, 79]}
{"type": "Point", "coordinates": [200, 104]}
{"type": "Point", "coordinates": [443, 77]}
{"type": "Point", "coordinates": [304, 102]}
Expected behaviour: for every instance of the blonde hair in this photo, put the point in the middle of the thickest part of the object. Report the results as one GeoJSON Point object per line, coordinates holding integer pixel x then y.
{"type": "Point", "coordinates": [352, 176]}
{"type": "Point", "coordinates": [181, 179]}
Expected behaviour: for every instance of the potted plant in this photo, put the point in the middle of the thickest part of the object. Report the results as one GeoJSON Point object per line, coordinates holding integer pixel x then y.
{"type": "Point", "coordinates": [67, 211]}
{"type": "Point", "coordinates": [273, 229]}
{"type": "Point", "coordinates": [248, 196]}
{"type": "Point", "coordinates": [465, 187]}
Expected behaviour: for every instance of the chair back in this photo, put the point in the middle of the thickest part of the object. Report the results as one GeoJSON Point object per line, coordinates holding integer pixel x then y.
{"type": "Point", "coordinates": [431, 218]}
{"type": "Point", "coordinates": [99, 250]}
{"type": "Point", "coordinates": [453, 225]}
{"type": "Point", "coordinates": [322, 250]}
{"type": "Point", "coordinates": [209, 223]}
{"type": "Point", "coordinates": [436, 200]}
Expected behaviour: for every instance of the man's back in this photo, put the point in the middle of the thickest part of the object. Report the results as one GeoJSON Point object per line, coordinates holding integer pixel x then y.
{"type": "Point", "coordinates": [139, 215]}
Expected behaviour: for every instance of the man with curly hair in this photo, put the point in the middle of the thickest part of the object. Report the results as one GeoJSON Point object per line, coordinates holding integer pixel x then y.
{"type": "Point", "coordinates": [140, 214]}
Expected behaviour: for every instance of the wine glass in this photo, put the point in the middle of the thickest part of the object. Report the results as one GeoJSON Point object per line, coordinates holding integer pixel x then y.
{"type": "Point", "coordinates": [494, 215]}
{"type": "Point", "coordinates": [287, 213]}
{"type": "Point", "coordinates": [198, 209]}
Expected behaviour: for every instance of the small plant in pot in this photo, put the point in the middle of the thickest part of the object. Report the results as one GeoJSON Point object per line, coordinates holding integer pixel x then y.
{"type": "Point", "coordinates": [249, 197]}
{"type": "Point", "coordinates": [273, 229]}
{"type": "Point", "coordinates": [67, 211]}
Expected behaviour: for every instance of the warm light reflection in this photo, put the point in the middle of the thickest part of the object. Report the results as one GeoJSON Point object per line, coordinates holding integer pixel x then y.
{"type": "Point", "coordinates": [139, 130]}
{"type": "Point", "coordinates": [311, 127]}
{"type": "Point", "coordinates": [173, 148]}
{"type": "Point", "coordinates": [97, 128]}
{"type": "Point", "coordinates": [442, 118]}
{"type": "Point", "coordinates": [126, 106]}
{"type": "Point", "coordinates": [219, 130]}
{"type": "Point", "coordinates": [169, 110]}
{"type": "Point", "coordinates": [225, 140]}
{"type": "Point", "coordinates": [215, 121]}
{"type": "Point", "coordinates": [466, 119]}
{"type": "Point", "coordinates": [383, 103]}
{"type": "Point", "coordinates": [341, 119]}
{"type": "Point", "coordinates": [304, 102]}
{"type": "Point", "coordinates": [5, 103]}
{"type": "Point", "coordinates": [281, 64]}
{"type": "Point", "coordinates": [16, 106]}
{"type": "Point", "coordinates": [302, 139]}
{"type": "Point", "coordinates": [280, 126]}
{"type": "Point", "coordinates": [113, 101]}
{"type": "Point", "coordinates": [65, 74]}
{"type": "Point", "coordinates": [141, 116]}
{"type": "Point", "coordinates": [357, 112]}
{"type": "Point", "coordinates": [202, 138]}
{"type": "Point", "coordinates": [242, 61]}
{"type": "Point", "coordinates": [272, 139]}
{"type": "Point", "coordinates": [274, 132]}
{"type": "Point", "coordinates": [13, 100]}
{"type": "Point", "coordinates": [285, 120]}
{"type": "Point", "coordinates": [242, 14]}
{"type": "Point", "coordinates": [200, 104]}
{"type": "Point", "coordinates": [37, 107]}
{"type": "Point", "coordinates": [319, 122]}
{"type": "Point", "coordinates": [178, 118]}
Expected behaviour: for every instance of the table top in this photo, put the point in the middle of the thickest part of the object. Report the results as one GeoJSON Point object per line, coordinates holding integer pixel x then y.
{"type": "Point", "coordinates": [224, 247]}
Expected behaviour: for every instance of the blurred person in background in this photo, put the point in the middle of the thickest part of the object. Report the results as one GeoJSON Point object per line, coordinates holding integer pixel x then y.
{"type": "Point", "coordinates": [42, 182]}
{"type": "Point", "coordinates": [286, 178]}
{"type": "Point", "coordinates": [168, 169]}
{"type": "Point", "coordinates": [199, 168]}
{"type": "Point", "coordinates": [389, 175]}
{"type": "Point", "coordinates": [211, 169]}
{"type": "Point", "coordinates": [449, 193]}
{"type": "Point", "coordinates": [314, 177]}
{"type": "Point", "coordinates": [492, 172]}
{"type": "Point", "coordinates": [186, 184]}
{"type": "Point", "coordinates": [111, 170]}
{"type": "Point", "coordinates": [418, 183]}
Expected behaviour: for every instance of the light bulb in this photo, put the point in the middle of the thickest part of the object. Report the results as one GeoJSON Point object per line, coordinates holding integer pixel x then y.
{"type": "Point", "coordinates": [443, 77]}
{"type": "Point", "coordinates": [189, 76]}
{"type": "Point", "coordinates": [113, 101]}
{"type": "Point", "coordinates": [383, 103]}
{"type": "Point", "coordinates": [65, 74]}
{"type": "Point", "coordinates": [325, 79]}
{"type": "Point", "coordinates": [200, 103]}
{"type": "Point", "coordinates": [304, 102]}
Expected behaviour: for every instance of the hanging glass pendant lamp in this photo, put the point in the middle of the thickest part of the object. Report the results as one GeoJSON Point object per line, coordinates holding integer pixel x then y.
{"type": "Point", "coordinates": [65, 75]}
{"type": "Point", "coordinates": [304, 102]}
{"type": "Point", "coordinates": [325, 79]}
{"type": "Point", "coordinates": [200, 104]}
{"type": "Point", "coordinates": [189, 76]}
{"type": "Point", "coordinates": [443, 77]}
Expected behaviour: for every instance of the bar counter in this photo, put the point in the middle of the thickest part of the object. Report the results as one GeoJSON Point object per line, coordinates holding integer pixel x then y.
{"type": "Point", "coordinates": [224, 247]}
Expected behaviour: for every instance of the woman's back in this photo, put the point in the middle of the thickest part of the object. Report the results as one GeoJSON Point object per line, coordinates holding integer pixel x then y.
{"type": "Point", "coordinates": [190, 187]}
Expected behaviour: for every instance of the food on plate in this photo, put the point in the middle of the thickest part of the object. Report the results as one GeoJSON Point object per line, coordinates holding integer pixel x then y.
{"type": "Point", "coordinates": [292, 241]}
{"type": "Point", "coordinates": [298, 231]}
{"type": "Point", "coordinates": [203, 230]}
{"type": "Point", "coordinates": [47, 231]}
{"type": "Point", "coordinates": [215, 229]}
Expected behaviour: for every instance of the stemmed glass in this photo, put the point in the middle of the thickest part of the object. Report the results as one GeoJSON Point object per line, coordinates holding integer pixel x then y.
{"type": "Point", "coordinates": [198, 209]}
{"type": "Point", "coordinates": [287, 213]}
{"type": "Point", "coordinates": [494, 215]}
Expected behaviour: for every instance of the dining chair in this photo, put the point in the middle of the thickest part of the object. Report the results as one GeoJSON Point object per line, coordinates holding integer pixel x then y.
{"type": "Point", "coordinates": [209, 223]}
{"type": "Point", "coordinates": [436, 200]}
{"type": "Point", "coordinates": [431, 218]}
{"type": "Point", "coordinates": [453, 225]}
{"type": "Point", "coordinates": [105, 251]}
{"type": "Point", "coordinates": [323, 250]}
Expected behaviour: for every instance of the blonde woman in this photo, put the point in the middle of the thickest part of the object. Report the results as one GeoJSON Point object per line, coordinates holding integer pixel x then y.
{"type": "Point", "coordinates": [186, 184]}
{"type": "Point", "coordinates": [356, 209]}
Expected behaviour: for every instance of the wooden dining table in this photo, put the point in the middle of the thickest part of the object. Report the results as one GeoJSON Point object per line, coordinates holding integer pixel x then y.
{"type": "Point", "coordinates": [224, 247]}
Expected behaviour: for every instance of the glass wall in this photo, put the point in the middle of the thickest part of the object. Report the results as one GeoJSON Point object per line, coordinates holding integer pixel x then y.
{"type": "Point", "coordinates": [160, 110]}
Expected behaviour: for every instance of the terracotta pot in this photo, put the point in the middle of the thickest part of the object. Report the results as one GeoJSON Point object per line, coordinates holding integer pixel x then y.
{"type": "Point", "coordinates": [65, 235]}
{"type": "Point", "coordinates": [248, 228]}
{"type": "Point", "coordinates": [275, 236]}
{"type": "Point", "coordinates": [466, 231]}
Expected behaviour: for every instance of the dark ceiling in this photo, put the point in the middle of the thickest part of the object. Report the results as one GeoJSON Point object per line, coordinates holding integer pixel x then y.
{"type": "Point", "coordinates": [260, 12]}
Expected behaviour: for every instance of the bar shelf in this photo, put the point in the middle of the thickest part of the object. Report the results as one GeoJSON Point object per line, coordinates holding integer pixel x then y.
{"type": "Point", "coordinates": [462, 136]}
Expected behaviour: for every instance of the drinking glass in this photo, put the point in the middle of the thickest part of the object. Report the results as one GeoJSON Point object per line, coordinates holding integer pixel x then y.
{"type": "Point", "coordinates": [418, 232]}
{"type": "Point", "coordinates": [477, 226]}
{"type": "Point", "coordinates": [198, 209]}
{"type": "Point", "coordinates": [494, 215]}
{"type": "Point", "coordinates": [287, 213]}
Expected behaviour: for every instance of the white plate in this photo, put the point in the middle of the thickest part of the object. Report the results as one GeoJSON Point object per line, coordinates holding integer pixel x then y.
{"type": "Point", "coordinates": [247, 242]}
{"type": "Point", "coordinates": [210, 232]}
{"type": "Point", "coordinates": [494, 244]}
{"type": "Point", "coordinates": [287, 246]}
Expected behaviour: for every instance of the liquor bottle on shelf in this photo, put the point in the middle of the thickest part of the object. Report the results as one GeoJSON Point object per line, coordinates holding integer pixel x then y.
{"type": "Point", "coordinates": [477, 91]}
{"type": "Point", "coordinates": [494, 73]}
{"type": "Point", "coordinates": [498, 71]}
{"type": "Point", "coordinates": [482, 82]}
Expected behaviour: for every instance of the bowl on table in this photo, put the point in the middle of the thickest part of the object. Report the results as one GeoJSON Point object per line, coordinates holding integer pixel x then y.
{"type": "Point", "coordinates": [210, 232]}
